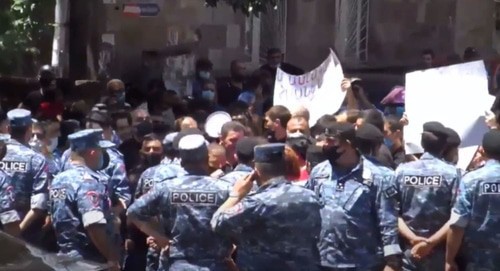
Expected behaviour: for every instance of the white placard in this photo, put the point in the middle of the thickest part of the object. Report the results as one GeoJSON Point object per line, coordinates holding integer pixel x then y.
{"type": "Point", "coordinates": [457, 96]}
{"type": "Point", "coordinates": [318, 90]}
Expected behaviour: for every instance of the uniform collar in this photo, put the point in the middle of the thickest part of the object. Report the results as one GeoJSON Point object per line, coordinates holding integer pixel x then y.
{"type": "Point", "coordinates": [243, 167]}
{"type": "Point", "coordinates": [360, 172]}
{"type": "Point", "coordinates": [428, 156]}
{"type": "Point", "coordinates": [273, 183]}
{"type": "Point", "coordinates": [492, 162]}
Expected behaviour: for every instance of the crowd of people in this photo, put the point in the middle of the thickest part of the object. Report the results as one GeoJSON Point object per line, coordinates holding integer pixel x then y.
{"type": "Point", "coordinates": [145, 184]}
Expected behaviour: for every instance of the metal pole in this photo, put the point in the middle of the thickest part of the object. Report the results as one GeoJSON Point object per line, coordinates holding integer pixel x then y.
{"type": "Point", "coordinates": [359, 18]}
{"type": "Point", "coordinates": [60, 54]}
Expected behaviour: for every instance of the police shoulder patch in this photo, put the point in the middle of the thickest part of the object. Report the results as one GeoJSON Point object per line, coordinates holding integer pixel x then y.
{"type": "Point", "coordinates": [390, 192]}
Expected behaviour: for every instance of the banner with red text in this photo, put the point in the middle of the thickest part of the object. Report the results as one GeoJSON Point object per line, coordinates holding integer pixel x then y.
{"type": "Point", "coordinates": [318, 90]}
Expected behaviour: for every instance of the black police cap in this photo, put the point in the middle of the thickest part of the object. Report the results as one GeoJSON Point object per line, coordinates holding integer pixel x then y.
{"type": "Point", "coordinates": [315, 154]}
{"type": "Point", "coordinates": [369, 132]}
{"type": "Point", "coordinates": [452, 139]}
{"type": "Point", "coordinates": [435, 128]}
{"type": "Point", "coordinates": [342, 130]}
{"type": "Point", "coordinates": [491, 142]}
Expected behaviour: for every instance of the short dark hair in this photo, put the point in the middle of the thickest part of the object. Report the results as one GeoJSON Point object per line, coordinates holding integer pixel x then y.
{"type": "Point", "coordinates": [272, 51]}
{"type": "Point", "coordinates": [367, 147]}
{"type": "Point", "coordinates": [433, 144]}
{"type": "Point", "coordinates": [203, 64]}
{"type": "Point", "coordinates": [281, 113]}
{"type": "Point", "coordinates": [232, 126]}
{"type": "Point", "coordinates": [394, 123]}
{"type": "Point", "coordinates": [375, 118]}
{"type": "Point", "coordinates": [17, 132]}
{"type": "Point", "coordinates": [428, 51]}
{"type": "Point", "coordinates": [152, 137]}
{"type": "Point", "coordinates": [271, 169]}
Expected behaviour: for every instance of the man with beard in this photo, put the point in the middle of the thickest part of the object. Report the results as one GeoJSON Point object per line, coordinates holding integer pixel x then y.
{"type": "Point", "coordinates": [231, 133]}
{"type": "Point", "coordinates": [275, 123]}
{"type": "Point", "coordinates": [359, 229]}
{"type": "Point", "coordinates": [229, 91]}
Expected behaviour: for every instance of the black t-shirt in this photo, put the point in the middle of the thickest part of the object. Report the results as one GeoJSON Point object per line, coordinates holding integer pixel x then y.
{"type": "Point", "coordinates": [130, 149]}
{"type": "Point", "coordinates": [32, 101]}
{"type": "Point", "coordinates": [384, 156]}
{"type": "Point", "coordinates": [227, 94]}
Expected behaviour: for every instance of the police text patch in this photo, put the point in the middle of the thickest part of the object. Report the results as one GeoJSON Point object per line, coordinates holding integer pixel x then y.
{"type": "Point", "coordinates": [412, 180]}
{"type": "Point", "coordinates": [57, 194]}
{"type": "Point", "coordinates": [391, 192]}
{"type": "Point", "coordinates": [193, 198]}
{"type": "Point", "coordinates": [490, 188]}
{"type": "Point", "coordinates": [14, 166]}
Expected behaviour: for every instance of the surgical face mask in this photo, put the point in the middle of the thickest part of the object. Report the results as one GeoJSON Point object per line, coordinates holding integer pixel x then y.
{"type": "Point", "coordinates": [35, 144]}
{"type": "Point", "coordinates": [204, 74]}
{"type": "Point", "coordinates": [103, 160]}
{"type": "Point", "coordinates": [120, 97]}
{"type": "Point", "coordinates": [53, 144]}
{"type": "Point", "coordinates": [208, 95]}
{"type": "Point", "coordinates": [388, 142]}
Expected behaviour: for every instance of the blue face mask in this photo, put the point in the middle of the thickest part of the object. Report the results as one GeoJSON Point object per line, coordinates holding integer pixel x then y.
{"type": "Point", "coordinates": [204, 74]}
{"type": "Point", "coordinates": [388, 143]}
{"type": "Point", "coordinates": [120, 97]}
{"type": "Point", "coordinates": [103, 160]}
{"type": "Point", "coordinates": [208, 95]}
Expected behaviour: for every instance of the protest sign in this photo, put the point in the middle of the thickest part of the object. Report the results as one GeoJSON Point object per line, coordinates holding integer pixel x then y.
{"type": "Point", "coordinates": [457, 96]}
{"type": "Point", "coordinates": [318, 90]}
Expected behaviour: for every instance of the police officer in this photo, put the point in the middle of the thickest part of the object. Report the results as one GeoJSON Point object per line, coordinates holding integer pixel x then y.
{"type": "Point", "coordinates": [79, 204]}
{"type": "Point", "coordinates": [28, 170]}
{"type": "Point", "coordinates": [474, 223]}
{"type": "Point", "coordinates": [186, 205]}
{"type": "Point", "coordinates": [9, 216]}
{"type": "Point", "coordinates": [450, 154]}
{"type": "Point", "coordinates": [152, 151]}
{"type": "Point", "coordinates": [278, 226]}
{"type": "Point", "coordinates": [427, 190]}
{"type": "Point", "coordinates": [359, 230]}
{"type": "Point", "coordinates": [245, 156]}
{"type": "Point", "coordinates": [171, 154]}
{"type": "Point", "coordinates": [117, 180]}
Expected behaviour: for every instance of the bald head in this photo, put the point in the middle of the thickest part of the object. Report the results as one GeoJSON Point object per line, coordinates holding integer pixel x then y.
{"type": "Point", "coordinates": [301, 112]}
{"type": "Point", "coordinates": [188, 122]}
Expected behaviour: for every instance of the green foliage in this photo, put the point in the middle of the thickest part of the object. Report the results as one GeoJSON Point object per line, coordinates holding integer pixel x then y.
{"type": "Point", "coordinates": [22, 27]}
{"type": "Point", "coordinates": [247, 7]}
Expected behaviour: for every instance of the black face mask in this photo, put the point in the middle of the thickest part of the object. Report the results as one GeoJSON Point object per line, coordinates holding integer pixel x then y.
{"type": "Point", "coordinates": [331, 153]}
{"type": "Point", "coordinates": [151, 160]}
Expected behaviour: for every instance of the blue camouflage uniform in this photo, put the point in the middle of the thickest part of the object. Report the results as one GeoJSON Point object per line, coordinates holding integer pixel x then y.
{"type": "Point", "coordinates": [477, 210]}
{"type": "Point", "coordinates": [426, 189]}
{"type": "Point", "coordinates": [8, 212]}
{"type": "Point", "coordinates": [359, 226]}
{"type": "Point", "coordinates": [149, 178]}
{"type": "Point", "coordinates": [186, 204]}
{"type": "Point", "coordinates": [277, 227]}
{"type": "Point", "coordinates": [78, 199]}
{"type": "Point", "coordinates": [28, 170]}
{"type": "Point", "coordinates": [240, 171]}
{"type": "Point", "coordinates": [116, 181]}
